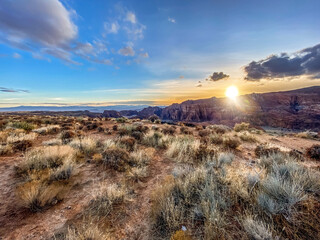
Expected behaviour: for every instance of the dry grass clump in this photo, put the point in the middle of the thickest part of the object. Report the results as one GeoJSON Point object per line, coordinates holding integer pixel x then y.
{"type": "Point", "coordinates": [238, 127]}
{"type": "Point", "coordinates": [156, 140]}
{"type": "Point", "coordinates": [106, 199]}
{"type": "Point", "coordinates": [314, 152]}
{"type": "Point", "coordinates": [307, 135]}
{"type": "Point", "coordinates": [85, 145]}
{"type": "Point", "coordinates": [289, 194]}
{"type": "Point", "coordinates": [42, 158]}
{"type": "Point", "coordinates": [51, 129]}
{"type": "Point", "coordinates": [116, 158]}
{"type": "Point", "coordinates": [137, 174]}
{"type": "Point", "coordinates": [139, 162]}
{"type": "Point", "coordinates": [257, 229]}
{"type": "Point", "coordinates": [86, 231]}
{"type": "Point", "coordinates": [183, 149]}
{"type": "Point", "coordinates": [15, 140]}
{"type": "Point", "coordinates": [140, 158]}
{"type": "Point", "coordinates": [46, 174]}
{"type": "Point", "coordinates": [198, 200]}
{"type": "Point", "coordinates": [38, 195]}
{"type": "Point", "coordinates": [189, 150]}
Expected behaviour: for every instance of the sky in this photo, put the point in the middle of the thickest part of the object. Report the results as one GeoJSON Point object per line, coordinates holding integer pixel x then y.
{"type": "Point", "coordinates": [79, 52]}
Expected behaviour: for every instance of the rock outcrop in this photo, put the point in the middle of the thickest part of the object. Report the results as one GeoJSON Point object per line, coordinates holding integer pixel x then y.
{"type": "Point", "coordinates": [297, 109]}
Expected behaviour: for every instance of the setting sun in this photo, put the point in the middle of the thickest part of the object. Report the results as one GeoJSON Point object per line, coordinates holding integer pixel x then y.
{"type": "Point", "coordinates": [232, 92]}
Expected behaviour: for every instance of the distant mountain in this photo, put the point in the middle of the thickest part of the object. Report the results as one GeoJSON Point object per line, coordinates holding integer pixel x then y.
{"type": "Point", "coordinates": [97, 109]}
{"type": "Point", "coordinates": [296, 109]}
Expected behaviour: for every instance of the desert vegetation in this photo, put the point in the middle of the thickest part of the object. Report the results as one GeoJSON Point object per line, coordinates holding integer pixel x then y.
{"type": "Point", "coordinates": [120, 178]}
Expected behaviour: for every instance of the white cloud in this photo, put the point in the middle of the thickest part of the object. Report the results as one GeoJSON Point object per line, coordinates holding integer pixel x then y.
{"type": "Point", "coordinates": [144, 55]}
{"type": "Point", "coordinates": [111, 27]}
{"type": "Point", "coordinates": [16, 56]}
{"type": "Point", "coordinates": [131, 17]}
{"type": "Point", "coordinates": [127, 51]}
{"type": "Point", "coordinates": [171, 20]}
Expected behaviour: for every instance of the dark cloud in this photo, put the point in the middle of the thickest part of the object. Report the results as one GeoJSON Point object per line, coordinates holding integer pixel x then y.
{"type": "Point", "coordinates": [52, 20]}
{"type": "Point", "coordinates": [304, 62]}
{"type": "Point", "coordinates": [217, 76]}
{"type": "Point", "coordinates": [10, 90]}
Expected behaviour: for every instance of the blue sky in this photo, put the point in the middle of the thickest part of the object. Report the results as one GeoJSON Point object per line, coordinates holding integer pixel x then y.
{"type": "Point", "coordinates": [156, 52]}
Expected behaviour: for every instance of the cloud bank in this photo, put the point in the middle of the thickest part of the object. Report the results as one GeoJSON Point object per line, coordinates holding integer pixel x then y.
{"type": "Point", "coordinates": [303, 62]}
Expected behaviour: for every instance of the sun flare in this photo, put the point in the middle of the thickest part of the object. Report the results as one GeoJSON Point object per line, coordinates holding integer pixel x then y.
{"type": "Point", "coordinates": [232, 92]}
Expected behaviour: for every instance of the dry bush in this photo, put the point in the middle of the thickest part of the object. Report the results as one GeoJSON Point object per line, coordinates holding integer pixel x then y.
{"type": "Point", "coordinates": [52, 142]}
{"type": "Point", "coordinates": [215, 138]}
{"type": "Point", "coordinates": [219, 129]}
{"type": "Point", "coordinates": [204, 133]}
{"type": "Point", "coordinates": [128, 143]}
{"type": "Point", "coordinates": [186, 131]}
{"type": "Point", "coordinates": [314, 152]}
{"type": "Point", "coordinates": [238, 127]}
{"type": "Point", "coordinates": [5, 149]}
{"type": "Point", "coordinates": [169, 130]}
{"type": "Point", "coordinates": [266, 150]}
{"type": "Point", "coordinates": [247, 137]}
{"type": "Point", "coordinates": [122, 120]}
{"type": "Point", "coordinates": [67, 136]}
{"type": "Point", "coordinates": [231, 142]}
{"type": "Point", "coordinates": [17, 136]}
{"type": "Point", "coordinates": [22, 125]}
{"type": "Point", "coordinates": [116, 158]}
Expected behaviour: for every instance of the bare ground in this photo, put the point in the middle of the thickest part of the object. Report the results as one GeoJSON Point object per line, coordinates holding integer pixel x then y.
{"type": "Point", "coordinates": [17, 222]}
